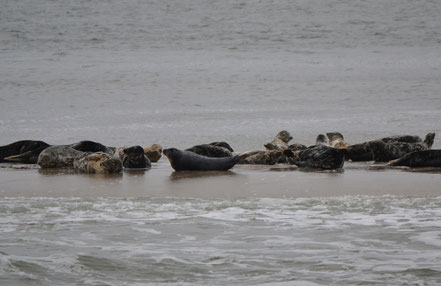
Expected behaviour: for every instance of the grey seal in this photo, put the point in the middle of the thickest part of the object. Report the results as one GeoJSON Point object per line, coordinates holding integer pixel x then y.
{"type": "Point", "coordinates": [209, 150]}
{"type": "Point", "coordinates": [153, 152]}
{"type": "Point", "coordinates": [58, 157]}
{"type": "Point", "coordinates": [280, 142]}
{"type": "Point", "coordinates": [133, 157]}
{"type": "Point", "coordinates": [318, 157]}
{"type": "Point", "coordinates": [259, 157]}
{"type": "Point", "coordinates": [384, 152]}
{"type": "Point", "coordinates": [189, 161]}
{"type": "Point", "coordinates": [426, 158]}
{"type": "Point", "coordinates": [98, 162]}
{"type": "Point", "coordinates": [337, 140]}
{"type": "Point", "coordinates": [24, 151]}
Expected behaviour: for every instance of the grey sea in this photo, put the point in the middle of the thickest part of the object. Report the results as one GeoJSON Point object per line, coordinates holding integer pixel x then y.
{"type": "Point", "coordinates": [181, 73]}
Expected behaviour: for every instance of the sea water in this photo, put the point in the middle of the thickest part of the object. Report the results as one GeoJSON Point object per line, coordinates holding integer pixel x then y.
{"type": "Point", "coordinates": [181, 73]}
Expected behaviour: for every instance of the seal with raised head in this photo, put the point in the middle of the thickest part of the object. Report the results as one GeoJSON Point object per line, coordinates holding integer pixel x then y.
{"type": "Point", "coordinates": [209, 150]}
{"type": "Point", "coordinates": [384, 152]}
{"type": "Point", "coordinates": [319, 157]}
{"type": "Point", "coordinates": [417, 159]}
{"type": "Point", "coordinates": [98, 162]}
{"type": "Point", "coordinates": [133, 157]}
{"type": "Point", "coordinates": [154, 152]}
{"type": "Point", "coordinates": [189, 161]}
{"type": "Point", "coordinates": [24, 151]}
{"type": "Point", "coordinates": [337, 140]}
{"type": "Point", "coordinates": [280, 142]}
{"type": "Point", "coordinates": [58, 157]}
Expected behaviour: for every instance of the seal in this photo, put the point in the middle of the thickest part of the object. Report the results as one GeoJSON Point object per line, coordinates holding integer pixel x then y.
{"type": "Point", "coordinates": [322, 140]}
{"type": "Point", "coordinates": [319, 157]}
{"type": "Point", "coordinates": [418, 159]}
{"type": "Point", "coordinates": [24, 151]}
{"type": "Point", "coordinates": [189, 161]}
{"type": "Point", "coordinates": [209, 150]}
{"type": "Point", "coordinates": [268, 157]}
{"type": "Point", "coordinates": [280, 142]}
{"type": "Point", "coordinates": [154, 152]}
{"type": "Point", "coordinates": [336, 140]}
{"type": "Point", "coordinates": [133, 157]}
{"type": "Point", "coordinates": [58, 157]}
{"type": "Point", "coordinates": [98, 162]}
{"type": "Point", "coordinates": [359, 152]}
{"type": "Point", "coordinates": [384, 152]}
{"type": "Point", "coordinates": [91, 146]}
{"type": "Point", "coordinates": [222, 144]}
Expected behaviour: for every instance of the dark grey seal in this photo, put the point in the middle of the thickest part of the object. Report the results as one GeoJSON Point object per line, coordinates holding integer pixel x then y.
{"type": "Point", "coordinates": [133, 157]}
{"type": "Point", "coordinates": [384, 152]}
{"type": "Point", "coordinates": [189, 161]}
{"type": "Point", "coordinates": [209, 150]}
{"type": "Point", "coordinates": [417, 159]}
{"type": "Point", "coordinates": [24, 151]}
{"type": "Point", "coordinates": [318, 157]}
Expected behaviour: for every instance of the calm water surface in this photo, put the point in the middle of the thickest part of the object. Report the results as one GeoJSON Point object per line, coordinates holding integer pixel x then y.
{"type": "Point", "coordinates": [181, 73]}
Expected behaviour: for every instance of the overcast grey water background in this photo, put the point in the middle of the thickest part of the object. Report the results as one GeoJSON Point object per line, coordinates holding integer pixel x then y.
{"type": "Point", "coordinates": [180, 73]}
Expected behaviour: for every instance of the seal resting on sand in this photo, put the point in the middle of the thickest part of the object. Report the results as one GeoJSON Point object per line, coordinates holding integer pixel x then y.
{"type": "Point", "coordinates": [318, 157]}
{"type": "Point", "coordinates": [209, 150]}
{"type": "Point", "coordinates": [91, 146]}
{"type": "Point", "coordinates": [98, 162]}
{"type": "Point", "coordinates": [222, 144]}
{"type": "Point", "coordinates": [133, 157]}
{"type": "Point", "coordinates": [384, 152]}
{"type": "Point", "coordinates": [24, 151]}
{"type": "Point", "coordinates": [154, 152]}
{"type": "Point", "coordinates": [426, 158]}
{"type": "Point", "coordinates": [58, 157]}
{"type": "Point", "coordinates": [336, 140]}
{"type": "Point", "coordinates": [280, 142]}
{"type": "Point", "coordinates": [269, 157]}
{"type": "Point", "coordinates": [189, 161]}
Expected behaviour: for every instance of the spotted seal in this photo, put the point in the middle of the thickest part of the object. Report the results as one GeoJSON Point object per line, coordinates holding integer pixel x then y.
{"type": "Point", "coordinates": [58, 156]}
{"type": "Point", "coordinates": [384, 152]}
{"type": "Point", "coordinates": [133, 157]}
{"type": "Point", "coordinates": [153, 152]}
{"type": "Point", "coordinates": [280, 142]}
{"type": "Point", "coordinates": [318, 157]}
{"type": "Point", "coordinates": [417, 159]}
{"type": "Point", "coordinates": [336, 140]}
{"type": "Point", "coordinates": [98, 162]}
{"type": "Point", "coordinates": [189, 161]}
{"type": "Point", "coordinates": [24, 151]}
{"type": "Point", "coordinates": [259, 157]}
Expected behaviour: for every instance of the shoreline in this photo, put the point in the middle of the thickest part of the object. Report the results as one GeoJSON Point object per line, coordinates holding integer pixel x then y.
{"type": "Point", "coordinates": [243, 181]}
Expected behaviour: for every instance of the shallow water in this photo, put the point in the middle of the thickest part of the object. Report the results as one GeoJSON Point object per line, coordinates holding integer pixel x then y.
{"type": "Point", "coordinates": [181, 73]}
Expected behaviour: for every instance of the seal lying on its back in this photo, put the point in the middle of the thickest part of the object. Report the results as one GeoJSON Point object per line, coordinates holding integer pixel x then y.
{"type": "Point", "coordinates": [209, 150]}
{"type": "Point", "coordinates": [280, 142]}
{"type": "Point", "coordinates": [384, 152]}
{"type": "Point", "coordinates": [318, 157]}
{"type": "Point", "coordinates": [133, 157]}
{"type": "Point", "coordinates": [25, 151]}
{"type": "Point", "coordinates": [98, 162]}
{"type": "Point", "coordinates": [189, 161]}
{"type": "Point", "coordinates": [426, 158]}
{"type": "Point", "coordinates": [58, 157]}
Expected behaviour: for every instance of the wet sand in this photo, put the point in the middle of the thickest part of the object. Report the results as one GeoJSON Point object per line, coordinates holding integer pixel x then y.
{"type": "Point", "coordinates": [278, 181]}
